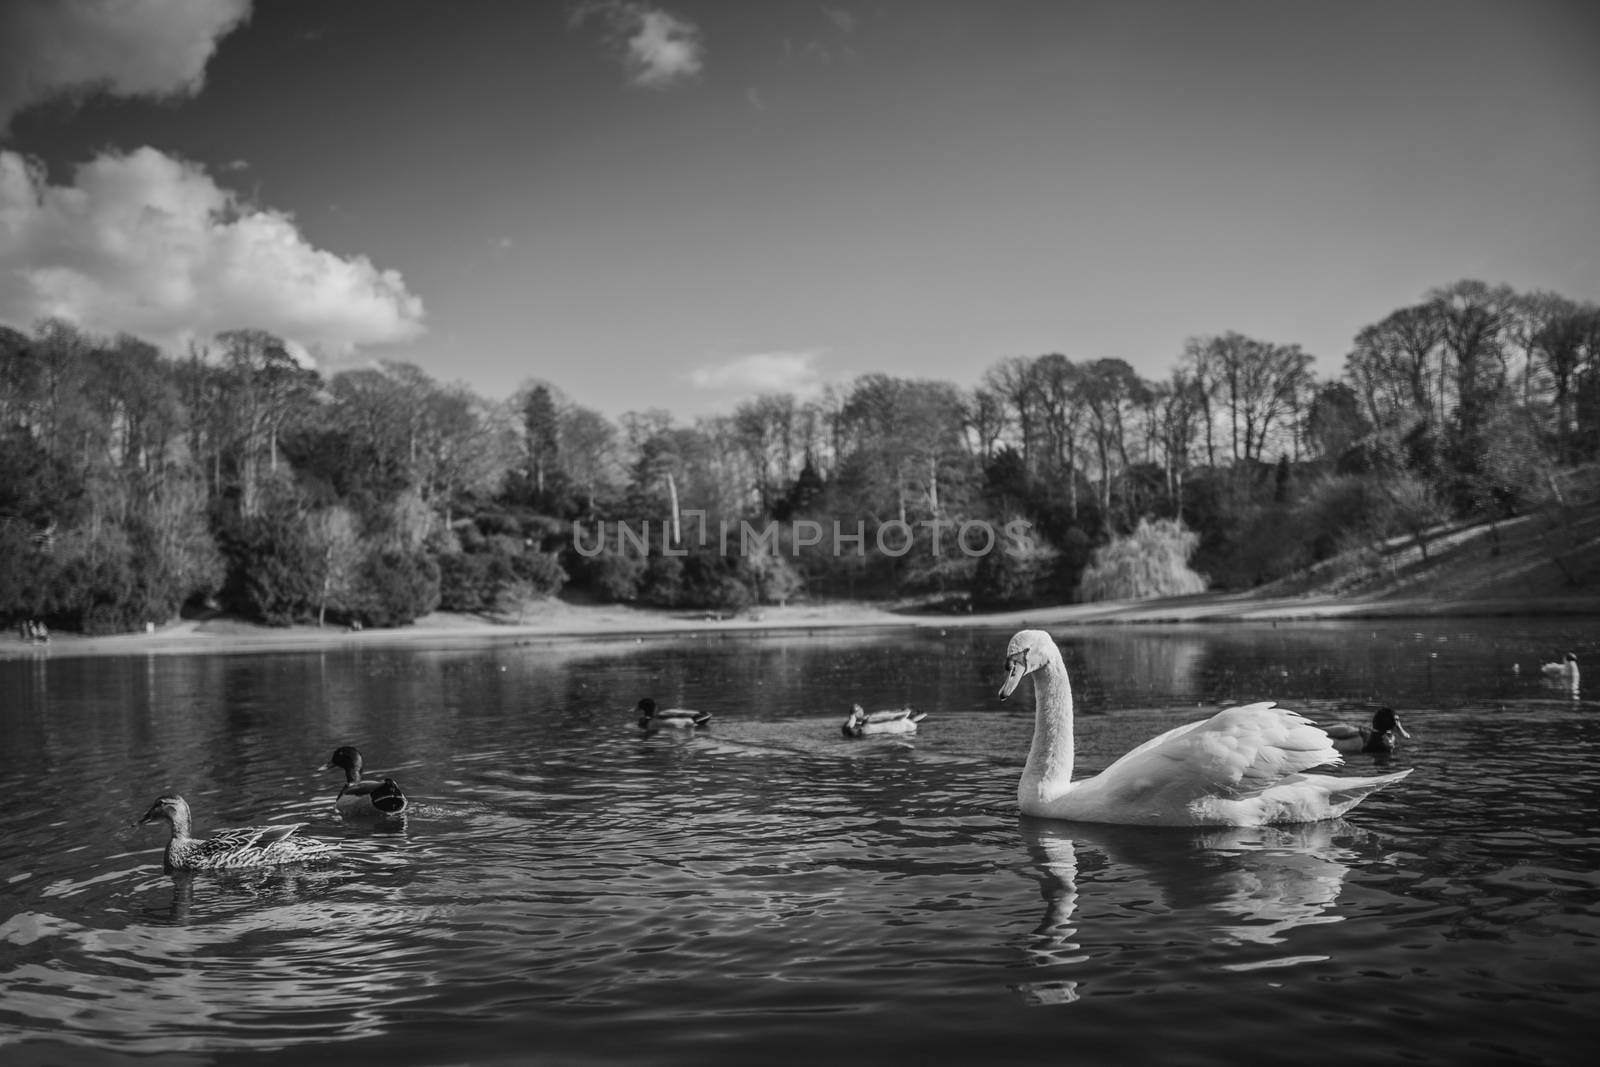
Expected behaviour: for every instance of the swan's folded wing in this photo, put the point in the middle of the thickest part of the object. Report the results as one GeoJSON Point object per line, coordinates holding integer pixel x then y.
{"type": "Point", "coordinates": [1235, 753]}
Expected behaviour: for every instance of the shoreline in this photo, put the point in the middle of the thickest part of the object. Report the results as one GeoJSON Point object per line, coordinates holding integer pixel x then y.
{"type": "Point", "coordinates": [558, 621]}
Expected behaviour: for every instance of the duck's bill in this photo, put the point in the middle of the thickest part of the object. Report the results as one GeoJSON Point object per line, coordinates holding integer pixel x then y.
{"type": "Point", "coordinates": [1014, 674]}
{"type": "Point", "coordinates": [1401, 730]}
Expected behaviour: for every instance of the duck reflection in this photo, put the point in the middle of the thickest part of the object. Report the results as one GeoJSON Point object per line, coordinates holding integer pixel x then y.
{"type": "Point", "coordinates": [1230, 885]}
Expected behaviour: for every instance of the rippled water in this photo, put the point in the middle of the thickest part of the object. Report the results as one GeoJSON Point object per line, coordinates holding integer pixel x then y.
{"type": "Point", "coordinates": [566, 890]}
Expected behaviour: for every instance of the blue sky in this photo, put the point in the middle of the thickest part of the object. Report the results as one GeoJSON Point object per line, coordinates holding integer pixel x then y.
{"type": "Point", "coordinates": [681, 205]}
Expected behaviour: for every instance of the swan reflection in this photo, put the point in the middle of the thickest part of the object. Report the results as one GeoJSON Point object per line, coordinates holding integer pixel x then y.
{"type": "Point", "coordinates": [1232, 886]}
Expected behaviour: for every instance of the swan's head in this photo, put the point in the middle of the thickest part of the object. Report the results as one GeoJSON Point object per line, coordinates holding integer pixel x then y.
{"type": "Point", "coordinates": [1385, 720]}
{"type": "Point", "coordinates": [1028, 651]}
{"type": "Point", "coordinates": [347, 758]}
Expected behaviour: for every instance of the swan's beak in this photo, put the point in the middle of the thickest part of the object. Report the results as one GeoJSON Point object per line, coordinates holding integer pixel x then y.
{"type": "Point", "coordinates": [1014, 672]}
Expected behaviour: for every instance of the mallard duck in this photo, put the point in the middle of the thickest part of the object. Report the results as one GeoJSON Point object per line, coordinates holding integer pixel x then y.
{"type": "Point", "coordinates": [654, 718]}
{"type": "Point", "coordinates": [890, 721]}
{"type": "Point", "coordinates": [1564, 673]}
{"type": "Point", "coordinates": [1378, 737]}
{"type": "Point", "coordinates": [1244, 766]}
{"type": "Point", "coordinates": [364, 796]}
{"type": "Point", "coordinates": [245, 846]}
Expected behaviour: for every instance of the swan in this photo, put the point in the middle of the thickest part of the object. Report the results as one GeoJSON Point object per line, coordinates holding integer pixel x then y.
{"type": "Point", "coordinates": [654, 717]}
{"type": "Point", "coordinates": [1244, 766]}
{"type": "Point", "coordinates": [1378, 737]}
{"type": "Point", "coordinates": [364, 796]}
{"type": "Point", "coordinates": [245, 846]}
{"type": "Point", "coordinates": [891, 721]}
{"type": "Point", "coordinates": [1564, 673]}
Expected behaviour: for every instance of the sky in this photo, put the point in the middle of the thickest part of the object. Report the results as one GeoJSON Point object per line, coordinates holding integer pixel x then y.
{"type": "Point", "coordinates": [688, 204]}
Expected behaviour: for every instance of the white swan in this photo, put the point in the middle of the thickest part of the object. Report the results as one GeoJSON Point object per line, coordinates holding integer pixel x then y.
{"type": "Point", "coordinates": [1244, 766]}
{"type": "Point", "coordinates": [1564, 673]}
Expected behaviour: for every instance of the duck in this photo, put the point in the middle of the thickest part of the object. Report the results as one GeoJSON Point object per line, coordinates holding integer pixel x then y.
{"type": "Point", "coordinates": [1563, 673]}
{"type": "Point", "coordinates": [1378, 737]}
{"type": "Point", "coordinates": [889, 721]}
{"type": "Point", "coordinates": [1244, 766]}
{"type": "Point", "coordinates": [245, 846]}
{"type": "Point", "coordinates": [364, 796]}
{"type": "Point", "coordinates": [655, 718]}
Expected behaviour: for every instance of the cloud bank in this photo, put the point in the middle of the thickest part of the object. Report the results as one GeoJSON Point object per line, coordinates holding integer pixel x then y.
{"type": "Point", "coordinates": [72, 48]}
{"type": "Point", "coordinates": [762, 372]}
{"type": "Point", "coordinates": [657, 48]}
{"type": "Point", "coordinates": [150, 245]}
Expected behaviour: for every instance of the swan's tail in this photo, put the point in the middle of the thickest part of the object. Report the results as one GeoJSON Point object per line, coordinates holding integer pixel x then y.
{"type": "Point", "coordinates": [1346, 793]}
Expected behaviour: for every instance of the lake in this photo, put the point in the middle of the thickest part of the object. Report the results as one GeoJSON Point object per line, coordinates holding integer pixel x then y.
{"type": "Point", "coordinates": [568, 890]}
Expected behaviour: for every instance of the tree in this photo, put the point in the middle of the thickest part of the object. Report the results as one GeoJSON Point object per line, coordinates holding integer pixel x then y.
{"type": "Point", "coordinates": [541, 429]}
{"type": "Point", "coordinates": [1334, 422]}
{"type": "Point", "coordinates": [1472, 319]}
{"type": "Point", "coordinates": [1389, 367]}
{"type": "Point", "coordinates": [263, 386]}
{"type": "Point", "coordinates": [335, 545]}
{"type": "Point", "coordinates": [1110, 390]}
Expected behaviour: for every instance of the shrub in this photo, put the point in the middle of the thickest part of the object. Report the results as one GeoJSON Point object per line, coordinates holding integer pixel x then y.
{"type": "Point", "coordinates": [394, 588]}
{"type": "Point", "coordinates": [1018, 571]}
{"type": "Point", "coordinates": [614, 576]}
{"type": "Point", "coordinates": [1152, 562]}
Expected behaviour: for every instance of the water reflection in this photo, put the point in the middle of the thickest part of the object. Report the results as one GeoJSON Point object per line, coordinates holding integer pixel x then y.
{"type": "Point", "coordinates": [1242, 886]}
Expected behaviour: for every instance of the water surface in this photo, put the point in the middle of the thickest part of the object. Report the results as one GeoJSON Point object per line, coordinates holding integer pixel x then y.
{"type": "Point", "coordinates": [568, 890]}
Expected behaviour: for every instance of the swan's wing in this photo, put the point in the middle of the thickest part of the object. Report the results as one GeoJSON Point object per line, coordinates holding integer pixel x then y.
{"type": "Point", "coordinates": [1236, 753]}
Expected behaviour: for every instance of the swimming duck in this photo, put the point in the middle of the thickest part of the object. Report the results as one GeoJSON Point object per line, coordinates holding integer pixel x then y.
{"type": "Point", "coordinates": [890, 721]}
{"type": "Point", "coordinates": [1379, 737]}
{"type": "Point", "coordinates": [1244, 766]}
{"type": "Point", "coordinates": [245, 846]}
{"type": "Point", "coordinates": [1564, 673]}
{"type": "Point", "coordinates": [655, 718]}
{"type": "Point", "coordinates": [364, 796]}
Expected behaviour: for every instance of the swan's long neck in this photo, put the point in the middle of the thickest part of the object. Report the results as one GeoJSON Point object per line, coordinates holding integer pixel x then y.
{"type": "Point", "coordinates": [1049, 767]}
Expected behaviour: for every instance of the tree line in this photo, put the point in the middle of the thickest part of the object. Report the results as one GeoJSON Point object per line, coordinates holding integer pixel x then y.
{"type": "Point", "coordinates": [136, 483]}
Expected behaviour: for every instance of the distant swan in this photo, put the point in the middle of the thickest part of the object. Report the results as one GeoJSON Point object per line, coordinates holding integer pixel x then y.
{"type": "Point", "coordinates": [1564, 673]}
{"type": "Point", "coordinates": [1244, 766]}
{"type": "Point", "coordinates": [364, 796]}
{"type": "Point", "coordinates": [1378, 737]}
{"type": "Point", "coordinates": [245, 846]}
{"type": "Point", "coordinates": [890, 721]}
{"type": "Point", "coordinates": [655, 718]}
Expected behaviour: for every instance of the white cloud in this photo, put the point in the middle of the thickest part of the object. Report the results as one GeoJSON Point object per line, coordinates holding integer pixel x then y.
{"type": "Point", "coordinates": [762, 372]}
{"type": "Point", "coordinates": [842, 20]}
{"type": "Point", "coordinates": [151, 246]}
{"type": "Point", "coordinates": [156, 48]}
{"type": "Point", "coordinates": [658, 49]}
